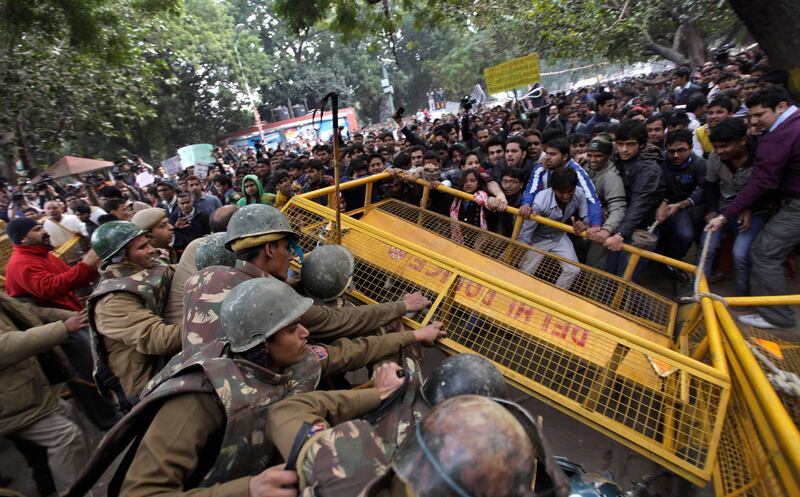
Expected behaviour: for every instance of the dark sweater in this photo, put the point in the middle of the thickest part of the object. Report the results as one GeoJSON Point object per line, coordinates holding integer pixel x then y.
{"type": "Point", "coordinates": [644, 189]}
{"type": "Point", "coordinates": [776, 166]}
{"type": "Point", "coordinates": [685, 181]}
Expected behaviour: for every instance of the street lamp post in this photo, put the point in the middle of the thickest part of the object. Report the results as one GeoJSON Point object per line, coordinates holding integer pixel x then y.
{"type": "Point", "coordinates": [243, 78]}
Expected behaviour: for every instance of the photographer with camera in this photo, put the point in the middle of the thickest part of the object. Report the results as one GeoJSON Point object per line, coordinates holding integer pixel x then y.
{"type": "Point", "coordinates": [20, 203]}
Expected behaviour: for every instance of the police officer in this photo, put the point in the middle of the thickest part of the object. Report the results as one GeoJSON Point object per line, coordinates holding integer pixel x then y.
{"type": "Point", "coordinates": [130, 339]}
{"type": "Point", "coordinates": [212, 252]}
{"type": "Point", "coordinates": [204, 415]}
{"type": "Point", "coordinates": [393, 422]}
{"type": "Point", "coordinates": [264, 243]}
{"type": "Point", "coordinates": [326, 274]}
{"type": "Point", "coordinates": [466, 445]}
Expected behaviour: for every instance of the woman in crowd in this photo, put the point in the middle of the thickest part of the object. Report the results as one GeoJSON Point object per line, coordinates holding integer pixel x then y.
{"type": "Point", "coordinates": [253, 192]}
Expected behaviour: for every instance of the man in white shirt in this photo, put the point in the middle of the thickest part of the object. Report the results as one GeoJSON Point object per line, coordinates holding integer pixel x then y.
{"type": "Point", "coordinates": [63, 227]}
{"type": "Point", "coordinates": [563, 202]}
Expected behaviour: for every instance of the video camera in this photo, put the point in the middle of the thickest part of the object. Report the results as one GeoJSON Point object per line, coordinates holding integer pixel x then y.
{"type": "Point", "coordinates": [467, 102]}
{"type": "Point", "coordinates": [44, 181]}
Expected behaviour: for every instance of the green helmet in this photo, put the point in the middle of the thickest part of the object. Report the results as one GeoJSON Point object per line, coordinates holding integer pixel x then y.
{"type": "Point", "coordinates": [255, 220]}
{"type": "Point", "coordinates": [468, 445]}
{"type": "Point", "coordinates": [212, 252]}
{"type": "Point", "coordinates": [257, 309]}
{"type": "Point", "coordinates": [111, 237]}
{"type": "Point", "coordinates": [327, 272]}
{"type": "Point", "coordinates": [464, 374]}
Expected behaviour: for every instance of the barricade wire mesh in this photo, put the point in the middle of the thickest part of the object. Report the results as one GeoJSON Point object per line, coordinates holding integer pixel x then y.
{"type": "Point", "coordinates": [614, 294]}
{"type": "Point", "coordinates": [744, 464]}
{"type": "Point", "coordinates": [667, 410]}
{"type": "Point", "coordinates": [790, 362]}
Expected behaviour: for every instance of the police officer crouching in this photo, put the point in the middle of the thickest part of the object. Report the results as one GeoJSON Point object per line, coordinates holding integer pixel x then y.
{"type": "Point", "coordinates": [202, 421]}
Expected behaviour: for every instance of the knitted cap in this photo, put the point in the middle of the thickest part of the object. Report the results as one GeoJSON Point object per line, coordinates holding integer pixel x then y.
{"type": "Point", "coordinates": [18, 229]}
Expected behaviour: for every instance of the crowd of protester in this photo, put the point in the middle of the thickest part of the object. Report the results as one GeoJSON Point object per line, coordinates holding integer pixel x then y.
{"type": "Point", "coordinates": [674, 150]}
{"type": "Point", "coordinates": [707, 157]}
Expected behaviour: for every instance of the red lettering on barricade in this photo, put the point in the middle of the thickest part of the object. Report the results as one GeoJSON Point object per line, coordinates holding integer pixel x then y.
{"type": "Point", "coordinates": [416, 264]}
{"type": "Point", "coordinates": [471, 289]}
{"type": "Point", "coordinates": [396, 253]}
{"type": "Point", "coordinates": [520, 312]}
{"type": "Point", "coordinates": [579, 336]}
{"type": "Point", "coordinates": [488, 298]}
{"type": "Point", "coordinates": [551, 326]}
{"type": "Point", "coordinates": [442, 274]}
{"type": "Point", "coordinates": [559, 328]}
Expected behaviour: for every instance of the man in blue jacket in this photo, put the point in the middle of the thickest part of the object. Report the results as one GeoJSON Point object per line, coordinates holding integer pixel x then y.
{"type": "Point", "coordinates": [557, 157]}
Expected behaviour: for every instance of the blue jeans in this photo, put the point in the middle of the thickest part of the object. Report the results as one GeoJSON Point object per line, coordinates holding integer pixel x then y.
{"type": "Point", "coordinates": [677, 234]}
{"type": "Point", "coordinates": [616, 262]}
{"type": "Point", "coordinates": [741, 250]}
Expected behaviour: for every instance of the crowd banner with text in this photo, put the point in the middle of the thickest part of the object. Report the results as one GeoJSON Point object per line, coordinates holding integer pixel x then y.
{"type": "Point", "coordinates": [512, 74]}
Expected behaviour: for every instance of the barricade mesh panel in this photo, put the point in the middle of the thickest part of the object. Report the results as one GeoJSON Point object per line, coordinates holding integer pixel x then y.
{"type": "Point", "coordinates": [600, 288]}
{"type": "Point", "coordinates": [785, 357]}
{"type": "Point", "coordinates": [744, 464]}
{"type": "Point", "coordinates": [666, 409]}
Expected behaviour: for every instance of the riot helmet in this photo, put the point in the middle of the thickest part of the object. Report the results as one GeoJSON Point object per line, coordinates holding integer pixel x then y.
{"type": "Point", "coordinates": [254, 225]}
{"type": "Point", "coordinates": [212, 252]}
{"type": "Point", "coordinates": [112, 237]}
{"type": "Point", "coordinates": [468, 446]}
{"type": "Point", "coordinates": [327, 272]}
{"type": "Point", "coordinates": [463, 374]}
{"type": "Point", "coordinates": [257, 309]}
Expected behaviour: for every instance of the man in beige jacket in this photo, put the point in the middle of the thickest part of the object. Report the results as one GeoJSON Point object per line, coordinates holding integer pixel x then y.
{"type": "Point", "coordinates": [29, 410]}
{"type": "Point", "coordinates": [130, 338]}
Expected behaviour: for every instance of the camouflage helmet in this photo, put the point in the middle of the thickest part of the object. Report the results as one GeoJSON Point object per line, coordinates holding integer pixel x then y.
{"type": "Point", "coordinates": [212, 252]}
{"type": "Point", "coordinates": [327, 271]}
{"type": "Point", "coordinates": [468, 445]}
{"type": "Point", "coordinates": [464, 374]}
{"type": "Point", "coordinates": [256, 220]}
{"type": "Point", "coordinates": [257, 309]}
{"type": "Point", "coordinates": [111, 237]}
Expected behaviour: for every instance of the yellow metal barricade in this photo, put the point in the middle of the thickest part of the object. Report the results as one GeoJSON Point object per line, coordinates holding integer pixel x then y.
{"type": "Point", "coordinates": [600, 350]}
{"type": "Point", "coordinates": [621, 377]}
{"type": "Point", "coordinates": [5, 253]}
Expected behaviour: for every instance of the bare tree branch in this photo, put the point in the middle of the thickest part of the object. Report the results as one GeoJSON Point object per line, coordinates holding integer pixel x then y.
{"type": "Point", "coordinates": [676, 41]}
{"type": "Point", "coordinates": [663, 51]}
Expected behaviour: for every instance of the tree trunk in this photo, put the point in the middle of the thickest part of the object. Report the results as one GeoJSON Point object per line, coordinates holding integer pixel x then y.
{"type": "Point", "coordinates": [22, 148]}
{"type": "Point", "coordinates": [695, 44]}
{"type": "Point", "coordinates": [665, 52]}
{"type": "Point", "coordinates": [774, 24]}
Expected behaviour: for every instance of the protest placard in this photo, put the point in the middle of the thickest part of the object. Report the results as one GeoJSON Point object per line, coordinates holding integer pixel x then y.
{"type": "Point", "coordinates": [199, 153]}
{"type": "Point", "coordinates": [512, 74]}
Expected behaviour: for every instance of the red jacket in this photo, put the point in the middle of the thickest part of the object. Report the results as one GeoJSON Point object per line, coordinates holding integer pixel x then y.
{"type": "Point", "coordinates": [34, 272]}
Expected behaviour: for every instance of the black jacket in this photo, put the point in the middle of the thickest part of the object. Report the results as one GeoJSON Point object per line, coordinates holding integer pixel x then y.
{"type": "Point", "coordinates": [684, 181]}
{"type": "Point", "coordinates": [644, 191]}
{"type": "Point", "coordinates": [197, 227]}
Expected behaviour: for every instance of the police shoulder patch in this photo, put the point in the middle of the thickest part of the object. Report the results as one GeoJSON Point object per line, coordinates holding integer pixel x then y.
{"type": "Point", "coordinates": [320, 351]}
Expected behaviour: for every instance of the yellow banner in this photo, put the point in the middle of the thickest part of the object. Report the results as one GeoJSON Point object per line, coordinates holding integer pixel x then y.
{"type": "Point", "coordinates": [515, 73]}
